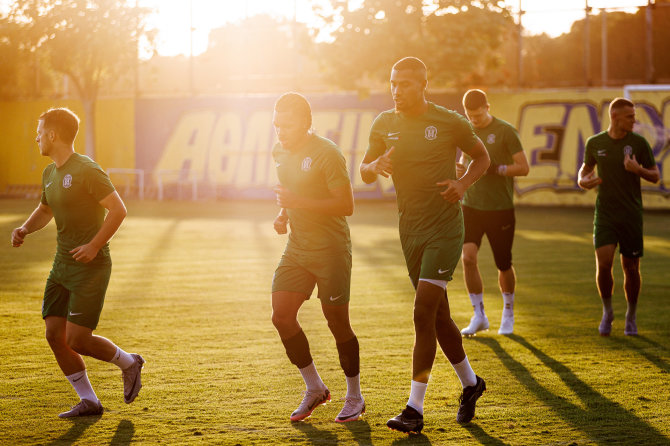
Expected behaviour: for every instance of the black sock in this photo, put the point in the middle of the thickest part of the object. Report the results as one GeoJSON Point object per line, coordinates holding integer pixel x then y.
{"type": "Point", "coordinates": [349, 359]}
{"type": "Point", "coordinates": [297, 350]}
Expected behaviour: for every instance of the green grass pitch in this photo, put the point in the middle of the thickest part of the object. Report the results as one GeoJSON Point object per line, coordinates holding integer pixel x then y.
{"type": "Point", "coordinates": [190, 291]}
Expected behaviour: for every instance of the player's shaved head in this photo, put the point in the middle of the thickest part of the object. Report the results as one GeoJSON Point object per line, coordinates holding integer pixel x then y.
{"type": "Point", "coordinates": [63, 121]}
{"type": "Point", "coordinates": [474, 99]}
{"type": "Point", "coordinates": [413, 64]}
{"type": "Point", "coordinates": [619, 103]}
{"type": "Point", "coordinates": [297, 104]}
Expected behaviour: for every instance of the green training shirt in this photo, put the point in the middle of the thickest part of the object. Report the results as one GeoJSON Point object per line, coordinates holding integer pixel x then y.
{"type": "Point", "coordinates": [424, 154]}
{"type": "Point", "coordinates": [494, 192]}
{"type": "Point", "coordinates": [311, 171]}
{"type": "Point", "coordinates": [73, 192]}
{"type": "Point", "coordinates": [619, 195]}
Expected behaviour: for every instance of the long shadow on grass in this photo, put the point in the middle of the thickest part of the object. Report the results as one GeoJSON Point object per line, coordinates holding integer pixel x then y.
{"type": "Point", "coordinates": [315, 435]}
{"type": "Point", "coordinates": [361, 431]}
{"type": "Point", "coordinates": [481, 435]}
{"type": "Point", "coordinates": [413, 440]}
{"type": "Point", "coordinates": [124, 433]}
{"type": "Point", "coordinates": [603, 420]}
{"type": "Point", "coordinates": [631, 344]}
{"type": "Point", "coordinates": [79, 425]}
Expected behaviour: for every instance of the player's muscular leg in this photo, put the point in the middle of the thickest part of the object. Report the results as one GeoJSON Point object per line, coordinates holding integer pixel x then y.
{"type": "Point", "coordinates": [507, 280]}
{"type": "Point", "coordinates": [83, 341]}
{"type": "Point", "coordinates": [68, 360]}
{"type": "Point", "coordinates": [448, 335]}
{"type": "Point", "coordinates": [473, 279]}
{"type": "Point", "coordinates": [338, 322]}
{"type": "Point", "coordinates": [285, 307]}
{"type": "Point", "coordinates": [604, 278]}
{"type": "Point", "coordinates": [632, 280]}
{"type": "Point", "coordinates": [426, 304]}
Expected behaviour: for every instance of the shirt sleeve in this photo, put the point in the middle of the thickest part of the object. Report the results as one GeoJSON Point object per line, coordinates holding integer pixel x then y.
{"type": "Point", "coordinates": [465, 135]}
{"type": "Point", "coordinates": [646, 155]}
{"type": "Point", "coordinates": [589, 158]}
{"type": "Point", "coordinates": [376, 144]}
{"type": "Point", "coordinates": [43, 198]}
{"type": "Point", "coordinates": [97, 182]}
{"type": "Point", "coordinates": [334, 169]}
{"type": "Point", "coordinates": [512, 140]}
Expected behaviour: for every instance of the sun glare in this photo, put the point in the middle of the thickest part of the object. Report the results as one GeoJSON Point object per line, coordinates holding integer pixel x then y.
{"type": "Point", "coordinates": [184, 25]}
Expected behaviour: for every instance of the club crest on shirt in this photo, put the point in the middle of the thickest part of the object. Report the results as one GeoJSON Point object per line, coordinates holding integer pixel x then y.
{"type": "Point", "coordinates": [431, 132]}
{"type": "Point", "coordinates": [306, 164]}
{"type": "Point", "coordinates": [491, 139]}
{"type": "Point", "coordinates": [628, 150]}
{"type": "Point", "coordinates": [67, 181]}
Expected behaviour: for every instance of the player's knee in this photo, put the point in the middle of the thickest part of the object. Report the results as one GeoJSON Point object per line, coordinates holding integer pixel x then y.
{"type": "Point", "coordinates": [53, 337]}
{"type": "Point", "coordinates": [281, 321]}
{"type": "Point", "coordinates": [77, 343]}
{"type": "Point", "coordinates": [504, 265]}
{"type": "Point", "coordinates": [469, 260]}
{"type": "Point", "coordinates": [424, 317]}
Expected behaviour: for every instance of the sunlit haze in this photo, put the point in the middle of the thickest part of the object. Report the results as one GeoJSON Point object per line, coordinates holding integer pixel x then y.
{"type": "Point", "coordinates": [173, 19]}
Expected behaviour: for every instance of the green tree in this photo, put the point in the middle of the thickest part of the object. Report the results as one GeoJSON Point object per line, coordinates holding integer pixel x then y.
{"type": "Point", "coordinates": [89, 41]}
{"type": "Point", "coordinates": [457, 39]}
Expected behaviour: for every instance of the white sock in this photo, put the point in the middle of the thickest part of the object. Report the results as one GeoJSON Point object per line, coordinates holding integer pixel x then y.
{"type": "Point", "coordinates": [354, 386]}
{"type": "Point", "coordinates": [417, 395]}
{"type": "Point", "coordinates": [478, 304]}
{"type": "Point", "coordinates": [508, 302]}
{"type": "Point", "coordinates": [122, 359]}
{"type": "Point", "coordinates": [465, 373]}
{"type": "Point", "coordinates": [82, 386]}
{"type": "Point", "coordinates": [312, 379]}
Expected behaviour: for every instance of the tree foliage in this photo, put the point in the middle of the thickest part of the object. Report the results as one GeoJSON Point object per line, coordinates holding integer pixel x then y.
{"type": "Point", "coordinates": [457, 39]}
{"type": "Point", "coordinates": [89, 41]}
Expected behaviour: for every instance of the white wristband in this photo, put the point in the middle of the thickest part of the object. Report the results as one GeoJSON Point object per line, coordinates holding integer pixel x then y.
{"type": "Point", "coordinates": [502, 169]}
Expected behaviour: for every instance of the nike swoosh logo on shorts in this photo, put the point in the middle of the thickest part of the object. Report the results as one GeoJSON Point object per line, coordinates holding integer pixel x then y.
{"type": "Point", "coordinates": [75, 314]}
{"type": "Point", "coordinates": [442, 271]}
{"type": "Point", "coordinates": [333, 299]}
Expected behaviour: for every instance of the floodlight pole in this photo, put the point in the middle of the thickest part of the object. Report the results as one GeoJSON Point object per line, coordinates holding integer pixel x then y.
{"type": "Point", "coordinates": [520, 56]}
{"type": "Point", "coordinates": [650, 75]}
{"type": "Point", "coordinates": [587, 44]}
{"type": "Point", "coordinates": [603, 46]}
{"type": "Point", "coordinates": [190, 59]}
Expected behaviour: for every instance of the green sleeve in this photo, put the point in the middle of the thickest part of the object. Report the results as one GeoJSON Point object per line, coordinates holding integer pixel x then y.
{"type": "Point", "coordinates": [646, 156]}
{"type": "Point", "coordinates": [97, 183]}
{"type": "Point", "coordinates": [376, 144]}
{"type": "Point", "coordinates": [465, 135]}
{"type": "Point", "coordinates": [334, 169]}
{"type": "Point", "coordinates": [589, 157]}
{"type": "Point", "coordinates": [512, 140]}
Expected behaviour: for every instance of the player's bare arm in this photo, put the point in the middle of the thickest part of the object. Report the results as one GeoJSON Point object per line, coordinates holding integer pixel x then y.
{"type": "Point", "coordinates": [631, 165]}
{"type": "Point", "coordinates": [40, 217]}
{"type": "Point", "coordinates": [480, 162]}
{"type": "Point", "coordinates": [587, 178]}
{"type": "Point", "coordinates": [117, 212]}
{"type": "Point", "coordinates": [281, 222]}
{"type": "Point", "coordinates": [340, 202]}
{"type": "Point", "coordinates": [381, 166]}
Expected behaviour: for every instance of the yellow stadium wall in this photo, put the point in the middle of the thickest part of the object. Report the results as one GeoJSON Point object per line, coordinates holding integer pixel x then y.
{"type": "Point", "coordinates": [20, 160]}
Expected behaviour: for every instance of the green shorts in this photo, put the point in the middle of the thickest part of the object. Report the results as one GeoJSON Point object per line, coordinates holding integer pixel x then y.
{"type": "Point", "coordinates": [432, 256]}
{"type": "Point", "coordinates": [76, 292]}
{"type": "Point", "coordinates": [628, 235]}
{"type": "Point", "coordinates": [300, 272]}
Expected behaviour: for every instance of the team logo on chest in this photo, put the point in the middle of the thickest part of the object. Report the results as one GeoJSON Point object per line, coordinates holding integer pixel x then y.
{"type": "Point", "coordinates": [306, 164]}
{"type": "Point", "coordinates": [491, 139]}
{"type": "Point", "coordinates": [431, 132]}
{"type": "Point", "coordinates": [628, 150]}
{"type": "Point", "coordinates": [67, 181]}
